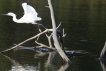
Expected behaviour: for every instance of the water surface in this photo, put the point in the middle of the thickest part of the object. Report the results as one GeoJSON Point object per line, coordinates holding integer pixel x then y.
{"type": "Point", "coordinates": [83, 21]}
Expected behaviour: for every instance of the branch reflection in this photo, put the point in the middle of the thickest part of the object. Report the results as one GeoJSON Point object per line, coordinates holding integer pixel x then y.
{"type": "Point", "coordinates": [16, 66]}
{"type": "Point", "coordinates": [47, 64]}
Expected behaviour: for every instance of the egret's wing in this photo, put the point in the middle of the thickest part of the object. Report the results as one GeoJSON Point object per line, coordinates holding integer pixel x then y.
{"type": "Point", "coordinates": [29, 12]}
{"type": "Point", "coordinates": [24, 5]}
{"type": "Point", "coordinates": [29, 9]}
{"type": "Point", "coordinates": [33, 13]}
{"type": "Point", "coordinates": [32, 10]}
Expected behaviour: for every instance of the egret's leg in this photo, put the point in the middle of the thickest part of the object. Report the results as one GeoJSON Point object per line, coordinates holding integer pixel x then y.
{"type": "Point", "coordinates": [42, 26]}
{"type": "Point", "coordinates": [39, 28]}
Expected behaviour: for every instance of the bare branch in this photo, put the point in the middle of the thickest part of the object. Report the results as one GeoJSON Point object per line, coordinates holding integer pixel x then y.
{"type": "Point", "coordinates": [57, 45]}
{"type": "Point", "coordinates": [42, 45]}
{"type": "Point", "coordinates": [28, 39]}
{"type": "Point", "coordinates": [103, 51]}
{"type": "Point", "coordinates": [59, 25]}
{"type": "Point", "coordinates": [47, 6]}
{"type": "Point", "coordinates": [49, 40]}
{"type": "Point", "coordinates": [64, 35]}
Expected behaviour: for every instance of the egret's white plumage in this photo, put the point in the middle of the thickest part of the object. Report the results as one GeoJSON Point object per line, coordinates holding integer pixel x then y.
{"type": "Point", "coordinates": [30, 15]}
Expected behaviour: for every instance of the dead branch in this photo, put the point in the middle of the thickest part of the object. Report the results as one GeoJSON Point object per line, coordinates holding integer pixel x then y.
{"type": "Point", "coordinates": [49, 40]}
{"type": "Point", "coordinates": [103, 51]}
{"type": "Point", "coordinates": [28, 40]}
{"type": "Point", "coordinates": [57, 45]}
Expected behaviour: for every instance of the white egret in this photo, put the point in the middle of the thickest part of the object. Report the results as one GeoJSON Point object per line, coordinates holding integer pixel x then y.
{"type": "Point", "coordinates": [30, 15]}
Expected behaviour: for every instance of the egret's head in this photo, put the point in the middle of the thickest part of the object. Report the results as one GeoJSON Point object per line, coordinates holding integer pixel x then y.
{"type": "Point", "coordinates": [24, 4]}
{"type": "Point", "coordinates": [10, 14]}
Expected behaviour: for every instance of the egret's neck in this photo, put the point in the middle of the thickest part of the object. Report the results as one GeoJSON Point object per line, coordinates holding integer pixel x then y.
{"type": "Point", "coordinates": [14, 18]}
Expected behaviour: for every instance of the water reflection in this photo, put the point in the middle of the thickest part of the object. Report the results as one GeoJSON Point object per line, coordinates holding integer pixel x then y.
{"type": "Point", "coordinates": [18, 67]}
{"type": "Point", "coordinates": [83, 21]}
{"type": "Point", "coordinates": [63, 67]}
{"type": "Point", "coordinates": [48, 64]}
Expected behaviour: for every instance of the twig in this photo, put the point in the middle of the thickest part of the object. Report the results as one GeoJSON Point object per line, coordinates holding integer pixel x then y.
{"type": "Point", "coordinates": [42, 45]}
{"type": "Point", "coordinates": [49, 40]}
{"type": "Point", "coordinates": [59, 25]}
{"type": "Point", "coordinates": [64, 35]}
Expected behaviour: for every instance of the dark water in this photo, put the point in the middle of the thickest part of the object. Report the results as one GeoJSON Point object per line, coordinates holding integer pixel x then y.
{"type": "Point", "coordinates": [84, 22]}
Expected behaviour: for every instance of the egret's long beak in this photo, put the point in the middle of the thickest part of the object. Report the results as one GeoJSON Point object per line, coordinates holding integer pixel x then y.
{"type": "Point", "coordinates": [5, 14]}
